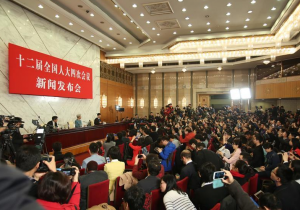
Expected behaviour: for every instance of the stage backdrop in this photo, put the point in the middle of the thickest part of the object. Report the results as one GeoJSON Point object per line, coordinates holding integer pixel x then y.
{"type": "Point", "coordinates": [23, 28]}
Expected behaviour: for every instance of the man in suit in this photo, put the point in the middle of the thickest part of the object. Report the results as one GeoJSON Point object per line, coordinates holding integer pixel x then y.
{"type": "Point", "coordinates": [97, 120]}
{"type": "Point", "coordinates": [153, 134]}
{"type": "Point", "coordinates": [53, 123]}
{"type": "Point", "coordinates": [257, 152]}
{"type": "Point", "coordinates": [92, 177]}
{"type": "Point", "coordinates": [204, 155]}
{"type": "Point", "coordinates": [189, 170]}
{"type": "Point", "coordinates": [151, 182]}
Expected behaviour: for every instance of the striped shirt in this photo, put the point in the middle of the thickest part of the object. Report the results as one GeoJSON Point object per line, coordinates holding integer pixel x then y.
{"type": "Point", "coordinates": [173, 200]}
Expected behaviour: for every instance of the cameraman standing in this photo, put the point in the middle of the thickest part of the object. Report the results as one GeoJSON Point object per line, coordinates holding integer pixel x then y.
{"type": "Point", "coordinates": [17, 138]}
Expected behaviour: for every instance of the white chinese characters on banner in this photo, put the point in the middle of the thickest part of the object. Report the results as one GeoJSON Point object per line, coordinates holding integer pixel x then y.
{"type": "Point", "coordinates": [61, 86]}
{"type": "Point", "coordinates": [70, 87]}
{"type": "Point", "coordinates": [51, 84]}
{"type": "Point", "coordinates": [41, 83]}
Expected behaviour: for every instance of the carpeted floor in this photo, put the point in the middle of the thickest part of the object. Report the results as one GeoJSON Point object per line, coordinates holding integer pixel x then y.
{"type": "Point", "coordinates": [79, 158]}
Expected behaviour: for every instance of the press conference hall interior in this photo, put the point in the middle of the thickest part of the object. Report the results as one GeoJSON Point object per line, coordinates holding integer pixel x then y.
{"type": "Point", "coordinates": [150, 105]}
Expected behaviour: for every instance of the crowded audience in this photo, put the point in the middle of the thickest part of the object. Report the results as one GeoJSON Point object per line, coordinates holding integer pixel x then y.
{"type": "Point", "coordinates": [219, 153]}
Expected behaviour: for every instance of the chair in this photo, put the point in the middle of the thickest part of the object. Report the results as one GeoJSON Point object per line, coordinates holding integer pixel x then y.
{"type": "Point", "coordinates": [92, 122]}
{"type": "Point", "coordinates": [173, 157]}
{"type": "Point", "coordinates": [71, 124]}
{"type": "Point", "coordinates": [121, 147]}
{"type": "Point", "coordinates": [98, 193]}
{"type": "Point", "coordinates": [82, 171]}
{"type": "Point", "coordinates": [59, 161]}
{"type": "Point", "coordinates": [101, 167]}
{"type": "Point", "coordinates": [157, 200]}
{"type": "Point", "coordinates": [246, 187]}
{"type": "Point", "coordinates": [217, 207]}
{"type": "Point", "coordinates": [148, 148]}
{"type": "Point", "coordinates": [253, 184]}
{"type": "Point", "coordinates": [182, 184]}
{"type": "Point", "coordinates": [119, 193]}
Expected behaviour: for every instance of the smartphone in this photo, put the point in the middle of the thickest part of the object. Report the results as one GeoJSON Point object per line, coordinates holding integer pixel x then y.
{"type": "Point", "coordinates": [282, 151]}
{"type": "Point", "coordinates": [219, 175]}
{"type": "Point", "coordinates": [107, 160]}
{"type": "Point", "coordinates": [67, 171]}
{"type": "Point", "coordinates": [258, 194]}
{"type": "Point", "coordinates": [140, 156]}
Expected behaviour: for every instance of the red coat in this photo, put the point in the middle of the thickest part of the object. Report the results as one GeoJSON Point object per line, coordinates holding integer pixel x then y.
{"type": "Point", "coordinates": [141, 174]}
{"type": "Point", "coordinates": [75, 200]}
{"type": "Point", "coordinates": [187, 138]}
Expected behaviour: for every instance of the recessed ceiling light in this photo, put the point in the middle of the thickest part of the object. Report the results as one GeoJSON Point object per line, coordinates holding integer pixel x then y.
{"type": "Point", "coordinates": [41, 6]}
{"type": "Point", "coordinates": [189, 25]}
{"type": "Point", "coordinates": [158, 34]}
{"type": "Point", "coordinates": [247, 19]}
{"type": "Point", "coordinates": [273, 8]}
{"type": "Point", "coordinates": [107, 45]}
{"type": "Point", "coordinates": [208, 23]}
{"type": "Point", "coordinates": [229, 4]}
{"type": "Point", "coordinates": [187, 18]}
{"type": "Point", "coordinates": [205, 7]}
{"type": "Point", "coordinates": [154, 42]}
{"type": "Point", "coordinates": [153, 29]}
{"type": "Point", "coordinates": [209, 29]}
{"type": "Point", "coordinates": [253, 2]}
{"type": "Point", "coordinates": [269, 17]}
{"type": "Point", "coordinates": [227, 21]}
{"type": "Point", "coordinates": [116, 5]}
{"type": "Point", "coordinates": [227, 28]}
{"type": "Point", "coordinates": [131, 21]}
{"type": "Point", "coordinates": [124, 14]}
{"type": "Point", "coordinates": [250, 11]}
{"type": "Point", "coordinates": [57, 16]}
{"type": "Point", "coordinates": [100, 40]}
{"type": "Point", "coordinates": [82, 30]}
{"type": "Point", "coordinates": [142, 15]}
{"type": "Point", "coordinates": [130, 42]}
{"type": "Point", "coordinates": [134, 6]}
{"type": "Point", "coordinates": [110, 28]}
{"type": "Point", "coordinates": [245, 26]}
{"type": "Point", "coordinates": [174, 32]}
{"type": "Point", "coordinates": [148, 22]}
{"type": "Point", "coordinates": [184, 9]}
{"type": "Point", "coordinates": [180, 0]}
{"type": "Point", "coordinates": [92, 15]}
{"type": "Point", "coordinates": [192, 31]}
{"type": "Point", "coordinates": [265, 24]}
{"type": "Point", "coordinates": [114, 48]}
{"type": "Point", "coordinates": [228, 13]}
{"type": "Point", "coordinates": [124, 38]}
{"type": "Point", "coordinates": [70, 24]}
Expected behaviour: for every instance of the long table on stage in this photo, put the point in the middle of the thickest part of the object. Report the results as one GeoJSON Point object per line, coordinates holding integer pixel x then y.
{"type": "Point", "coordinates": [81, 136]}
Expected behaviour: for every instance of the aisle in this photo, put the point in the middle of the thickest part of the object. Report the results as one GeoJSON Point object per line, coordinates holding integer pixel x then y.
{"type": "Point", "coordinates": [80, 157]}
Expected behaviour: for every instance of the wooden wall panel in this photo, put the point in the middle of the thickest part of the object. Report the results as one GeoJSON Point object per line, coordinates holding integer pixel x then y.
{"type": "Point", "coordinates": [113, 90]}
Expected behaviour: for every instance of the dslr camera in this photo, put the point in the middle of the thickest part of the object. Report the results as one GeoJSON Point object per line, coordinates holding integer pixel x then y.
{"type": "Point", "coordinates": [43, 167]}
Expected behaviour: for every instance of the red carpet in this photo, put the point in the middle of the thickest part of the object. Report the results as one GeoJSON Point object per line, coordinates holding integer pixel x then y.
{"type": "Point", "coordinates": [79, 158]}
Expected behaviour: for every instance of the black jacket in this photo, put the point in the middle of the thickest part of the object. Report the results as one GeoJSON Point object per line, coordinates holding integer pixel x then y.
{"type": "Point", "coordinates": [149, 183]}
{"type": "Point", "coordinates": [206, 197]}
{"type": "Point", "coordinates": [154, 136]}
{"type": "Point", "coordinates": [58, 156]}
{"type": "Point", "coordinates": [190, 171]}
{"type": "Point", "coordinates": [97, 121]}
{"type": "Point", "coordinates": [17, 140]}
{"type": "Point", "coordinates": [284, 144]}
{"type": "Point", "coordinates": [50, 124]}
{"type": "Point", "coordinates": [258, 158]}
{"type": "Point", "coordinates": [272, 160]}
{"type": "Point", "coordinates": [85, 181]}
{"type": "Point", "coordinates": [206, 155]}
{"type": "Point", "coordinates": [289, 195]}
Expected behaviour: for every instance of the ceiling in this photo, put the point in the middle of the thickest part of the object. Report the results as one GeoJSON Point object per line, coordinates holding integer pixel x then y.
{"type": "Point", "coordinates": [133, 27]}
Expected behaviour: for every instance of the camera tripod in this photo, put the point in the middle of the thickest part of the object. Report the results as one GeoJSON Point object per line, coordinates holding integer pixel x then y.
{"type": "Point", "coordinates": [8, 151]}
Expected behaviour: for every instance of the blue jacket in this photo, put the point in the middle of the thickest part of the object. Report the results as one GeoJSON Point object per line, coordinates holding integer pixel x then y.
{"type": "Point", "coordinates": [167, 157]}
{"type": "Point", "coordinates": [272, 161]}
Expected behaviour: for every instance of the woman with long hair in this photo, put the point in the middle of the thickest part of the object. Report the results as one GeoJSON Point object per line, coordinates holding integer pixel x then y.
{"type": "Point", "coordinates": [110, 142]}
{"type": "Point", "coordinates": [136, 149]}
{"type": "Point", "coordinates": [241, 172]}
{"type": "Point", "coordinates": [295, 143]}
{"type": "Point", "coordinates": [174, 198]}
{"type": "Point", "coordinates": [237, 144]}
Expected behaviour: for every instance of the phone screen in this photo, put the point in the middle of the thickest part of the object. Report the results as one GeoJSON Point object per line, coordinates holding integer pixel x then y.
{"type": "Point", "coordinates": [219, 174]}
{"type": "Point", "coordinates": [107, 159]}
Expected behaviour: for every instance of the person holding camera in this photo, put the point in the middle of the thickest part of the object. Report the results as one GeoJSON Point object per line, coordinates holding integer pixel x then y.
{"type": "Point", "coordinates": [57, 191]}
{"type": "Point", "coordinates": [18, 139]}
{"type": "Point", "coordinates": [29, 161]}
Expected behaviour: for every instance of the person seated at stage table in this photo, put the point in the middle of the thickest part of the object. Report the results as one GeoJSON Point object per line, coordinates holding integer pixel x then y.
{"type": "Point", "coordinates": [97, 120]}
{"type": "Point", "coordinates": [53, 123]}
{"type": "Point", "coordinates": [78, 122]}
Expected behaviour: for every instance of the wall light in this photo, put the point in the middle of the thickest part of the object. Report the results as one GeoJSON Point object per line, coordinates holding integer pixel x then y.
{"type": "Point", "coordinates": [235, 94]}
{"type": "Point", "coordinates": [169, 100]}
{"type": "Point", "coordinates": [245, 93]}
{"type": "Point", "coordinates": [131, 102]}
{"type": "Point", "coordinates": [104, 101]}
{"type": "Point", "coordinates": [119, 101]}
{"type": "Point", "coordinates": [184, 102]}
{"type": "Point", "coordinates": [142, 103]}
{"type": "Point", "coordinates": [155, 103]}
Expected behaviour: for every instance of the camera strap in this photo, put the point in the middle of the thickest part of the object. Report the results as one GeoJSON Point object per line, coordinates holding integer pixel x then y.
{"type": "Point", "coordinates": [71, 194]}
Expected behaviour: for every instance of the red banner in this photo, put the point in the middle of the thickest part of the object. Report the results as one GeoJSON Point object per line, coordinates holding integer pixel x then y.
{"type": "Point", "coordinates": [35, 73]}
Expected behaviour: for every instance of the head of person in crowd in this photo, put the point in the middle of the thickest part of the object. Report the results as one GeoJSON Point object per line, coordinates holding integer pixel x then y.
{"type": "Point", "coordinates": [110, 137]}
{"type": "Point", "coordinates": [295, 143]}
{"type": "Point", "coordinates": [257, 139]}
{"type": "Point", "coordinates": [282, 175]}
{"type": "Point", "coordinates": [132, 132]}
{"type": "Point", "coordinates": [206, 172]}
{"type": "Point", "coordinates": [78, 116]}
{"type": "Point", "coordinates": [114, 153]}
{"type": "Point", "coordinates": [56, 147]}
{"type": "Point", "coordinates": [241, 167]}
{"type": "Point", "coordinates": [28, 159]}
{"type": "Point", "coordinates": [245, 156]}
{"type": "Point", "coordinates": [153, 167]}
{"type": "Point", "coordinates": [193, 143]}
{"type": "Point", "coordinates": [268, 147]}
{"type": "Point", "coordinates": [119, 135]}
{"type": "Point", "coordinates": [295, 167]}
{"type": "Point", "coordinates": [153, 128]}
{"type": "Point", "coordinates": [236, 144]}
{"type": "Point", "coordinates": [167, 183]}
{"type": "Point", "coordinates": [200, 146]}
{"type": "Point", "coordinates": [91, 166]}
{"type": "Point", "coordinates": [186, 156]}
{"type": "Point", "coordinates": [99, 144]}
{"type": "Point", "coordinates": [269, 201]}
{"type": "Point", "coordinates": [165, 140]}
{"type": "Point", "coordinates": [93, 148]}
{"type": "Point", "coordinates": [55, 119]}
{"type": "Point", "coordinates": [134, 198]}
{"type": "Point", "coordinates": [98, 115]}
